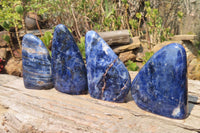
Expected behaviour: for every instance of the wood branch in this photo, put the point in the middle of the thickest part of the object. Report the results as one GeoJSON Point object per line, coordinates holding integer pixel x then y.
{"type": "Point", "coordinates": [184, 37]}
{"type": "Point", "coordinates": [24, 110]}
{"type": "Point", "coordinates": [38, 26]}
{"type": "Point", "coordinates": [34, 32]}
{"type": "Point", "coordinates": [125, 48]}
{"type": "Point", "coordinates": [111, 37]}
{"type": "Point", "coordinates": [116, 37]}
{"type": "Point", "coordinates": [134, 44]}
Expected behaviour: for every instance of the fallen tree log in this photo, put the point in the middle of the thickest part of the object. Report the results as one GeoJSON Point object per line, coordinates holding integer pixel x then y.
{"type": "Point", "coordinates": [23, 110]}
{"type": "Point", "coordinates": [111, 37]}
{"type": "Point", "coordinates": [116, 37]}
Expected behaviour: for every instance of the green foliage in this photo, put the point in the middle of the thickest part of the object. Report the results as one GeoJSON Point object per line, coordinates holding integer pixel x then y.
{"type": "Point", "coordinates": [133, 23]}
{"type": "Point", "coordinates": [197, 45]}
{"type": "Point", "coordinates": [81, 46]}
{"type": "Point", "coordinates": [9, 16]}
{"type": "Point", "coordinates": [6, 25]}
{"type": "Point", "coordinates": [41, 7]}
{"type": "Point", "coordinates": [157, 32]}
{"type": "Point", "coordinates": [147, 57]}
{"type": "Point", "coordinates": [19, 9]}
{"type": "Point", "coordinates": [6, 38]}
{"type": "Point", "coordinates": [180, 14]}
{"type": "Point", "coordinates": [131, 66]}
{"type": "Point", "coordinates": [139, 15]}
{"type": "Point", "coordinates": [98, 15]}
{"type": "Point", "coordinates": [46, 39]}
{"type": "Point", "coordinates": [147, 3]}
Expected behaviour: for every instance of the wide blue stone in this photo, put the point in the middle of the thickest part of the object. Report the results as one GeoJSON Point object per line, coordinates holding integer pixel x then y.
{"type": "Point", "coordinates": [36, 63]}
{"type": "Point", "coordinates": [68, 68]}
{"type": "Point", "coordinates": [161, 85]}
{"type": "Point", "coordinates": [108, 78]}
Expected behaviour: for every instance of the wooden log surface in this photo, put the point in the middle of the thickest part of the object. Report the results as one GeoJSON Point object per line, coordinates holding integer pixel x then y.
{"type": "Point", "coordinates": [116, 37]}
{"type": "Point", "coordinates": [111, 37]}
{"type": "Point", "coordinates": [183, 37]}
{"type": "Point", "coordinates": [26, 111]}
{"type": "Point", "coordinates": [34, 32]}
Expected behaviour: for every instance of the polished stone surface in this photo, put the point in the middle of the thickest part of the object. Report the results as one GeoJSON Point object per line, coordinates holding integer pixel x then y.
{"type": "Point", "coordinates": [36, 63]}
{"type": "Point", "coordinates": [68, 68]}
{"type": "Point", "coordinates": [108, 78]}
{"type": "Point", "coordinates": [160, 86]}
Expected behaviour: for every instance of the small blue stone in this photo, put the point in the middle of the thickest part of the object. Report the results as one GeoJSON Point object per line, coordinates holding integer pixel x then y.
{"type": "Point", "coordinates": [68, 68]}
{"type": "Point", "coordinates": [108, 78]}
{"type": "Point", "coordinates": [161, 85]}
{"type": "Point", "coordinates": [36, 63]}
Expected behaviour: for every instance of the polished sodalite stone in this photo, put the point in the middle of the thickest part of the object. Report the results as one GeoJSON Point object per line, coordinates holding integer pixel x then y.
{"type": "Point", "coordinates": [108, 78]}
{"type": "Point", "coordinates": [36, 63]}
{"type": "Point", "coordinates": [68, 68]}
{"type": "Point", "coordinates": [161, 85]}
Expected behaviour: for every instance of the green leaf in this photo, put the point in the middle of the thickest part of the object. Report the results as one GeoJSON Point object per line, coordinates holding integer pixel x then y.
{"type": "Point", "coordinates": [81, 46]}
{"type": "Point", "coordinates": [138, 15]}
{"type": "Point", "coordinates": [155, 11]}
{"type": "Point", "coordinates": [147, 57]}
{"type": "Point", "coordinates": [46, 39]}
{"type": "Point", "coordinates": [131, 66]}
{"type": "Point", "coordinates": [124, 1]}
{"type": "Point", "coordinates": [19, 9]}
{"type": "Point", "coordinates": [6, 25]}
{"type": "Point", "coordinates": [147, 3]}
{"type": "Point", "coordinates": [180, 14]}
{"type": "Point", "coordinates": [6, 38]}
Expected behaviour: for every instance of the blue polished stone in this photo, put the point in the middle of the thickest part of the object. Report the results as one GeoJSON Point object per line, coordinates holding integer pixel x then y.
{"type": "Point", "coordinates": [36, 63]}
{"type": "Point", "coordinates": [68, 68]}
{"type": "Point", "coordinates": [108, 78]}
{"type": "Point", "coordinates": [161, 85]}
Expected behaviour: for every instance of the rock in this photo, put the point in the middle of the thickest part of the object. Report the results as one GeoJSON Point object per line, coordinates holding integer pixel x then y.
{"type": "Point", "coordinates": [108, 78]}
{"type": "Point", "coordinates": [194, 69]}
{"type": "Point", "coordinates": [37, 72]}
{"type": "Point", "coordinates": [183, 37]}
{"type": "Point", "coordinates": [30, 21]}
{"type": "Point", "coordinates": [3, 53]}
{"type": "Point", "coordinates": [14, 67]}
{"type": "Point", "coordinates": [191, 50]}
{"type": "Point", "coordinates": [161, 85]}
{"type": "Point", "coordinates": [135, 40]}
{"type": "Point", "coordinates": [3, 43]}
{"type": "Point", "coordinates": [69, 72]}
{"type": "Point", "coordinates": [127, 56]}
{"type": "Point", "coordinates": [135, 43]}
{"type": "Point", "coordinates": [161, 45]}
{"type": "Point", "coordinates": [139, 57]}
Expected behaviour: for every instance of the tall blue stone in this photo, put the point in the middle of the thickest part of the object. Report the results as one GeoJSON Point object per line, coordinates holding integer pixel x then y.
{"type": "Point", "coordinates": [161, 85]}
{"type": "Point", "coordinates": [68, 68]}
{"type": "Point", "coordinates": [36, 61]}
{"type": "Point", "coordinates": [108, 78]}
